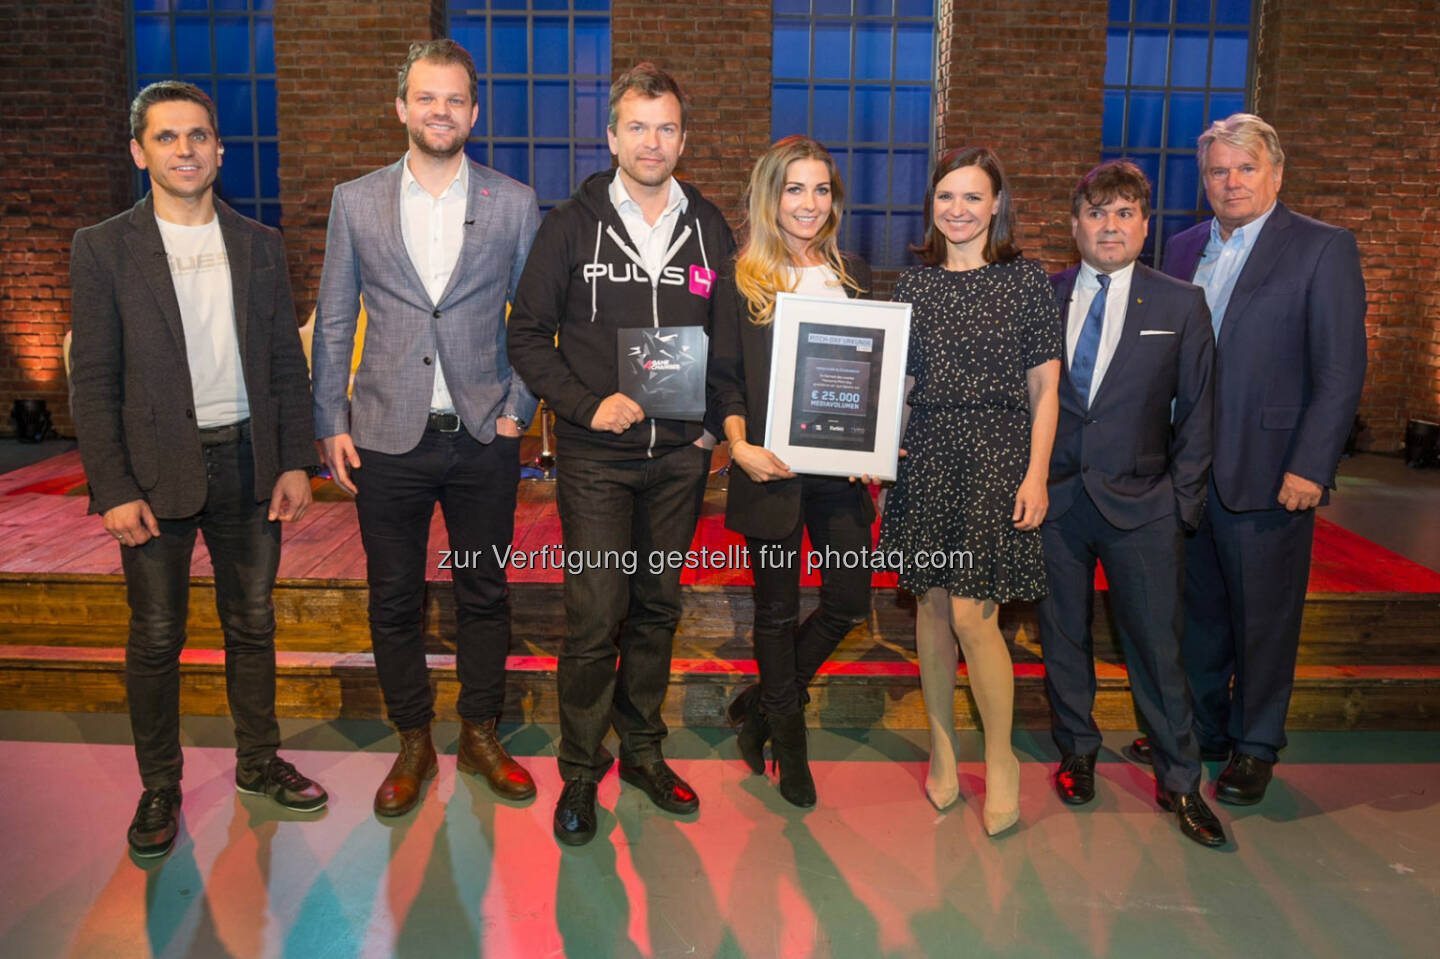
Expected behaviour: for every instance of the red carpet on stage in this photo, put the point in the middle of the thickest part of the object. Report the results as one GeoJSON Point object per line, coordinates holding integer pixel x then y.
{"type": "Point", "coordinates": [46, 529]}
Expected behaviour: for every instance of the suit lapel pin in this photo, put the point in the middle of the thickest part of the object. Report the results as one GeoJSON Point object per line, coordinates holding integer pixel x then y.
{"type": "Point", "coordinates": [484, 192]}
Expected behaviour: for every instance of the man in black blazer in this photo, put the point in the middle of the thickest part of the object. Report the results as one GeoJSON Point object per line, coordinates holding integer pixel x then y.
{"type": "Point", "coordinates": [1127, 476]}
{"type": "Point", "coordinates": [1287, 304]}
{"type": "Point", "coordinates": [192, 407]}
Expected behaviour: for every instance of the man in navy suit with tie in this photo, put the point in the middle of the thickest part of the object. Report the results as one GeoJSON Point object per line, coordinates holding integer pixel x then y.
{"type": "Point", "coordinates": [1127, 477]}
{"type": "Point", "coordinates": [1287, 303]}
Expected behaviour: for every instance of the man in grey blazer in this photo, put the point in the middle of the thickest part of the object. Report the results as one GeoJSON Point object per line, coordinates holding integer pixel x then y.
{"type": "Point", "coordinates": [192, 408]}
{"type": "Point", "coordinates": [435, 244]}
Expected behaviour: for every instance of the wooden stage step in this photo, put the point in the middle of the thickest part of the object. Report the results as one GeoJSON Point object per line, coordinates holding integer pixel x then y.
{"type": "Point", "coordinates": [847, 694]}
{"type": "Point", "coordinates": [330, 615]}
{"type": "Point", "coordinates": [1368, 660]}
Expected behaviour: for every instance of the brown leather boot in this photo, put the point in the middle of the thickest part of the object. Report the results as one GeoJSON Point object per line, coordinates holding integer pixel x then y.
{"type": "Point", "coordinates": [401, 789]}
{"type": "Point", "coordinates": [482, 755]}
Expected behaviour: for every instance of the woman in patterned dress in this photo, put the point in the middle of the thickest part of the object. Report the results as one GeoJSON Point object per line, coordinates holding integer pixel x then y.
{"type": "Point", "coordinates": [967, 505]}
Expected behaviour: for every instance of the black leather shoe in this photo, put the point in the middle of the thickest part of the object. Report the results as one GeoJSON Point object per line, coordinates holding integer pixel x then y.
{"type": "Point", "coordinates": [1142, 752]}
{"type": "Point", "coordinates": [156, 823]}
{"type": "Point", "coordinates": [1197, 821]}
{"type": "Point", "coordinates": [665, 789]}
{"type": "Point", "coordinates": [574, 822]}
{"type": "Point", "coordinates": [284, 784]}
{"type": "Point", "coordinates": [1243, 781]}
{"type": "Point", "coordinates": [1075, 779]}
{"type": "Point", "coordinates": [745, 712]}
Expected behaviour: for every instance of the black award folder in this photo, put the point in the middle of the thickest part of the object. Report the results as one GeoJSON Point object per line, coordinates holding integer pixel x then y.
{"type": "Point", "coordinates": [663, 369]}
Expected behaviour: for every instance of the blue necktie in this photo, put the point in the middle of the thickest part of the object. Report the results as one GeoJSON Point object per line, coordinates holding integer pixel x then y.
{"type": "Point", "coordinates": [1087, 347]}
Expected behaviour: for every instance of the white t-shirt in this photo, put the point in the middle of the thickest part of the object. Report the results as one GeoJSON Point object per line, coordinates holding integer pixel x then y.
{"type": "Point", "coordinates": [818, 280]}
{"type": "Point", "coordinates": [200, 270]}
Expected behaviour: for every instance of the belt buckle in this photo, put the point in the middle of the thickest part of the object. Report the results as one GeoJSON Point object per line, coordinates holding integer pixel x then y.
{"type": "Point", "coordinates": [446, 422]}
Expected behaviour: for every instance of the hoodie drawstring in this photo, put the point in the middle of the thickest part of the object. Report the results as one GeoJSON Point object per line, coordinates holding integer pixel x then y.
{"type": "Point", "coordinates": [701, 235]}
{"type": "Point", "coordinates": [595, 263]}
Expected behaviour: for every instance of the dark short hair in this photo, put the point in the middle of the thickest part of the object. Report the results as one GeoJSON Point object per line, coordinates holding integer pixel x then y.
{"type": "Point", "coordinates": [164, 91]}
{"type": "Point", "coordinates": [1111, 179]}
{"type": "Point", "coordinates": [438, 51]}
{"type": "Point", "coordinates": [1000, 238]}
{"type": "Point", "coordinates": [648, 80]}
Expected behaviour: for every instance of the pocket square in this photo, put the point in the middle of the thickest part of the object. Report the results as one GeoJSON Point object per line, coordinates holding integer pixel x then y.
{"type": "Point", "coordinates": [1157, 332]}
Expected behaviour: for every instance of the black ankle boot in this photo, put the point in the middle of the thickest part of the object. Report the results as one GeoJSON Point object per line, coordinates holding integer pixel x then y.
{"type": "Point", "coordinates": [745, 709]}
{"type": "Point", "coordinates": [787, 742]}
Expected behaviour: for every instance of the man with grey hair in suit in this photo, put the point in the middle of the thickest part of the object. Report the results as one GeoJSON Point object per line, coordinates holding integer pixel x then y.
{"type": "Point", "coordinates": [435, 244]}
{"type": "Point", "coordinates": [188, 389]}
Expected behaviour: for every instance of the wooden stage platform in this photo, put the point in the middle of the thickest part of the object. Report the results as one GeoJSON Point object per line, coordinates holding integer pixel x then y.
{"type": "Point", "coordinates": [1369, 659]}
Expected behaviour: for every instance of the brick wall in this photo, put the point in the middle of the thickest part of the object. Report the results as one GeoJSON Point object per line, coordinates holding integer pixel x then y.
{"type": "Point", "coordinates": [1351, 88]}
{"type": "Point", "coordinates": [336, 67]}
{"type": "Point", "coordinates": [63, 102]}
{"type": "Point", "coordinates": [1353, 91]}
{"type": "Point", "coordinates": [1025, 78]}
{"type": "Point", "coordinates": [720, 54]}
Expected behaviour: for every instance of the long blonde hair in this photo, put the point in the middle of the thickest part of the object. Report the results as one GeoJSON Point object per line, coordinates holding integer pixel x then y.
{"type": "Point", "coordinates": [763, 267]}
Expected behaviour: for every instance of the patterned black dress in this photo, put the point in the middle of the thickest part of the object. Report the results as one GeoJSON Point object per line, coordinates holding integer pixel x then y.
{"type": "Point", "coordinates": [973, 335]}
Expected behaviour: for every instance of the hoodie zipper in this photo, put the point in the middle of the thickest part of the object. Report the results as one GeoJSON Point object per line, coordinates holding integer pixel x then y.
{"type": "Point", "coordinates": [654, 287]}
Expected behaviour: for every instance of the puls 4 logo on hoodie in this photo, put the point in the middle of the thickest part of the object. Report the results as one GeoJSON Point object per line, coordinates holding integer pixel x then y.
{"type": "Point", "coordinates": [700, 279]}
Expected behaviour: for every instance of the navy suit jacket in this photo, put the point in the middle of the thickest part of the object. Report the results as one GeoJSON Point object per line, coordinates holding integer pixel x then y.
{"type": "Point", "coordinates": [1125, 450]}
{"type": "Point", "coordinates": [1290, 360]}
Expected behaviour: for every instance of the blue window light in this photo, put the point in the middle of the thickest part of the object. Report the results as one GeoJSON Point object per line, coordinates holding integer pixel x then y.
{"type": "Point", "coordinates": [544, 69]}
{"type": "Point", "coordinates": [1172, 68]}
{"type": "Point", "coordinates": [858, 75]}
{"type": "Point", "coordinates": [227, 49]}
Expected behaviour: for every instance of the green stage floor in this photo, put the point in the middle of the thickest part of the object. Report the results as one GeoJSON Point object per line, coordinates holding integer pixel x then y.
{"type": "Point", "coordinates": [1341, 859]}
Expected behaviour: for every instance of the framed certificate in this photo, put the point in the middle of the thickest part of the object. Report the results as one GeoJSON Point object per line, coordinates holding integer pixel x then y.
{"type": "Point", "coordinates": [837, 383]}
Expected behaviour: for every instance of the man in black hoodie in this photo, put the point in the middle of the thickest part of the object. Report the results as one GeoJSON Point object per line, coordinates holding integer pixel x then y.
{"type": "Point", "coordinates": [633, 247]}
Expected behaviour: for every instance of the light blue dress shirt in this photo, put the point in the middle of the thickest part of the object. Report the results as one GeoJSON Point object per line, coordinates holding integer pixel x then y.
{"type": "Point", "coordinates": [1221, 263]}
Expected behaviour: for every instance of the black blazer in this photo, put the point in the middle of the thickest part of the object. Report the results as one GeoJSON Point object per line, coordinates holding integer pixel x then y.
{"type": "Point", "coordinates": [1290, 362]}
{"type": "Point", "coordinates": [130, 393]}
{"type": "Point", "coordinates": [1124, 450]}
{"type": "Point", "coordinates": [738, 382]}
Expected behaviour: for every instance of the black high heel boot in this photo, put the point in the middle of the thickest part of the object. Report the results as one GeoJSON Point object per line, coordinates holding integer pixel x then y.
{"type": "Point", "coordinates": [745, 709]}
{"type": "Point", "coordinates": [787, 731]}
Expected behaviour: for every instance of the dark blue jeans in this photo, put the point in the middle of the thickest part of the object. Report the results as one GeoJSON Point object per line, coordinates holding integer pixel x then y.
{"type": "Point", "coordinates": [244, 550]}
{"type": "Point", "coordinates": [788, 658]}
{"type": "Point", "coordinates": [617, 512]}
{"type": "Point", "coordinates": [475, 484]}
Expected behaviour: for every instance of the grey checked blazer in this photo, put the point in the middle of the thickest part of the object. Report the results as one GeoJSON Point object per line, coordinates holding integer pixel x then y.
{"type": "Point", "coordinates": [365, 255]}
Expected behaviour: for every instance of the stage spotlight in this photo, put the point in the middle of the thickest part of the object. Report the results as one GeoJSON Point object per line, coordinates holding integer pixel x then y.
{"type": "Point", "coordinates": [1422, 444]}
{"type": "Point", "coordinates": [32, 420]}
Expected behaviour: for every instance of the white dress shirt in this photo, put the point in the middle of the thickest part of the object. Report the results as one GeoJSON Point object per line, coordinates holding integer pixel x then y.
{"type": "Point", "coordinates": [1116, 298]}
{"type": "Point", "coordinates": [651, 242]}
{"type": "Point", "coordinates": [1221, 263]}
{"type": "Point", "coordinates": [433, 228]}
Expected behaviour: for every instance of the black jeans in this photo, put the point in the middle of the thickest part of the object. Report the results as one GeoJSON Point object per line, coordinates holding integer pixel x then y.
{"type": "Point", "coordinates": [788, 658]}
{"type": "Point", "coordinates": [244, 550]}
{"type": "Point", "coordinates": [475, 484]}
{"type": "Point", "coordinates": [618, 515]}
